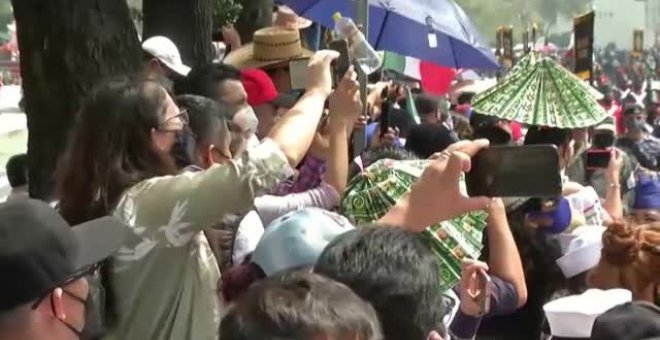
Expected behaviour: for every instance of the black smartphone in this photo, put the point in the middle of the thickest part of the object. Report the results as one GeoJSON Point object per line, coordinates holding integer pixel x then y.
{"type": "Point", "coordinates": [384, 121]}
{"type": "Point", "coordinates": [515, 171]}
{"type": "Point", "coordinates": [359, 141]}
{"type": "Point", "coordinates": [598, 159]}
{"type": "Point", "coordinates": [343, 63]}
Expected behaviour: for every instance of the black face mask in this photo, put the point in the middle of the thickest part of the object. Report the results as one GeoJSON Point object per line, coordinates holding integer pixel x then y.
{"type": "Point", "coordinates": [93, 328]}
{"type": "Point", "coordinates": [603, 140]}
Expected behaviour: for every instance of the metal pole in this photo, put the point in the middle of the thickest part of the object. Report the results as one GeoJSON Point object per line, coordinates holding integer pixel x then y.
{"type": "Point", "coordinates": [362, 20]}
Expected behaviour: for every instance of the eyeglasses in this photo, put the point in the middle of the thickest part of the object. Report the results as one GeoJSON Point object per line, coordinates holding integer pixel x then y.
{"type": "Point", "coordinates": [183, 117]}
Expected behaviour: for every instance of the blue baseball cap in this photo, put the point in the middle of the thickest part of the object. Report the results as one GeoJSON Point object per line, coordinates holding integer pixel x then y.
{"type": "Point", "coordinates": [297, 239]}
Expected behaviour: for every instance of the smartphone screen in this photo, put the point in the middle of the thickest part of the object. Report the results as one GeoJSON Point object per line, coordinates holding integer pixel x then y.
{"type": "Point", "coordinates": [359, 141]}
{"type": "Point", "coordinates": [598, 159]}
{"type": "Point", "coordinates": [341, 65]}
{"type": "Point", "coordinates": [515, 171]}
{"type": "Point", "coordinates": [384, 122]}
{"type": "Point", "coordinates": [298, 73]}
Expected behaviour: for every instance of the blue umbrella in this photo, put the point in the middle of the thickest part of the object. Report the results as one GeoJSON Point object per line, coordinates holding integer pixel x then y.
{"type": "Point", "coordinates": [402, 26]}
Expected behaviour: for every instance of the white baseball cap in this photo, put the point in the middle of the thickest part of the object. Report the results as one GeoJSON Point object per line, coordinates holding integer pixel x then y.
{"type": "Point", "coordinates": [163, 49]}
{"type": "Point", "coordinates": [574, 316]}
{"type": "Point", "coordinates": [581, 250]}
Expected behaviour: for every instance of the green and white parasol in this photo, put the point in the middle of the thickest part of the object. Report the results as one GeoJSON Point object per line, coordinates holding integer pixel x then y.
{"type": "Point", "coordinates": [375, 191]}
{"type": "Point", "coordinates": [540, 92]}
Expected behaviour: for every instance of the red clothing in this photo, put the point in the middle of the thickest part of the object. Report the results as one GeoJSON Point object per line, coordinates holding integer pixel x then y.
{"type": "Point", "coordinates": [516, 131]}
{"type": "Point", "coordinates": [616, 111]}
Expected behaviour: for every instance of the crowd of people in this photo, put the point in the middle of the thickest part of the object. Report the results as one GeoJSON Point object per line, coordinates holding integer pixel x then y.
{"type": "Point", "coordinates": [219, 203]}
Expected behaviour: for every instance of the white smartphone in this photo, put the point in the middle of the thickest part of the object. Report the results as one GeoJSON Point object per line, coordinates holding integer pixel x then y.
{"type": "Point", "coordinates": [298, 73]}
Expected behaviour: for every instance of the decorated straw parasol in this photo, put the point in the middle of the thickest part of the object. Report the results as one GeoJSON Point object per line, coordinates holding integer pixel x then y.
{"type": "Point", "coordinates": [376, 190]}
{"type": "Point", "coordinates": [538, 91]}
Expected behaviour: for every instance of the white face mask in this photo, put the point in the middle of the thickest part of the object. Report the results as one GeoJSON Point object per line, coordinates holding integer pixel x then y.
{"type": "Point", "coordinates": [247, 119]}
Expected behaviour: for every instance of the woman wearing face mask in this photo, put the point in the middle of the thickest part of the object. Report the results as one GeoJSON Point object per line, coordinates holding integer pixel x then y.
{"type": "Point", "coordinates": [162, 283]}
{"type": "Point", "coordinates": [637, 142]}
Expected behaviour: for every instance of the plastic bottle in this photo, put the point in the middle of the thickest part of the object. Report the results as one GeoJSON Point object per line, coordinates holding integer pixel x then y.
{"type": "Point", "coordinates": [361, 51]}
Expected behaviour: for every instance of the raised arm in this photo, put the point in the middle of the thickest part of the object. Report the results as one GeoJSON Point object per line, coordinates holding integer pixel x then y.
{"type": "Point", "coordinates": [613, 204]}
{"type": "Point", "coordinates": [504, 260]}
{"type": "Point", "coordinates": [345, 106]}
{"type": "Point", "coordinates": [294, 132]}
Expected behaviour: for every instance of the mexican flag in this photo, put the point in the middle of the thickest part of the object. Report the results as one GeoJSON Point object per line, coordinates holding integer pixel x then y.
{"type": "Point", "coordinates": [434, 79]}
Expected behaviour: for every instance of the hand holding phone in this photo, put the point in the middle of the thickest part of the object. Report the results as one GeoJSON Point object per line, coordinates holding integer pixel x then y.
{"type": "Point", "coordinates": [598, 159]}
{"type": "Point", "coordinates": [341, 65]}
{"type": "Point", "coordinates": [475, 288]}
{"type": "Point", "coordinates": [298, 73]}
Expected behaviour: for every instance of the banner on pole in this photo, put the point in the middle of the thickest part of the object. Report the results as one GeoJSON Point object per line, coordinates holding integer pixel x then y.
{"type": "Point", "coordinates": [638, 42]}
{"type": "Point", "coordinates": [525, 37]}
{"type": "Point", "coordinates": [583, 30]}
{"type": "Point", "coordinates": [507, 45]}
{"type": "Point", "coordinates": [498, 43]}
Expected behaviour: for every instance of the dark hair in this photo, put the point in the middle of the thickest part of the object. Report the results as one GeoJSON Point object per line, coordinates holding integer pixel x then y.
{"type": "Point", "coordinates": [208, 125]}
{"type": "Point", "coordinates": [547, 135]}
{"type": "Point", "coordinates": [17, 170]}
{"type": "Point", "coordinates": [426, 139]}
{"type": "Point", "coordinates": [543, 278]}
{"type": "Point", "coordinates": [630, 109]}
{"type": "Point", "coordinates": [426, 105]}
{"type": "Point", "coordinates": [465, 98]}
{"type": "Point", "coordinates": [495, 135]}
{"type": "Point", "coordinates": [110, 148]}
{"type": "Point", "coordinates": [374, 155]}
{"type": "Point", "coordinates": [204, 80]}
{"type": "Point", "coordinates": [299, 305]}
{"type": "Point", "coordinates": [393, 270]}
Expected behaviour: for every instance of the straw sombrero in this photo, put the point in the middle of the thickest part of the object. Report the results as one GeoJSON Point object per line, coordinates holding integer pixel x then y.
{"type": "Point", "coordinates": [270, 45]}
{"type": "Point", "coordinates": [285, 17]}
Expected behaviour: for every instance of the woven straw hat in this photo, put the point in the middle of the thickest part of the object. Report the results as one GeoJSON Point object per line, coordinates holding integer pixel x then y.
{"type": "Point", "coordinates": [270, 45]}
{"type": "Point", "coordinates": [285, 17]}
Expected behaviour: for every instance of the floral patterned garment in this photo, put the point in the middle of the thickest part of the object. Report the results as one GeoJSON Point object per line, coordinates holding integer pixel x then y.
{"type": "Point", "coordinates": [164, 277]}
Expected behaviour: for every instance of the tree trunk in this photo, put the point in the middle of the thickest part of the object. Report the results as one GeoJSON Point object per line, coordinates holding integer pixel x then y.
{"type": "Point", "coordinates": [66, 47]}
{"type": "Point", "coordinates": [188, 23]}
{"type": "Point", "coordinates": [256, 14]}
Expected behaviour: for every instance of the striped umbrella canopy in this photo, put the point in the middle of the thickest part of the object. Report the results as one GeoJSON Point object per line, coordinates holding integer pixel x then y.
{"type": "Point", "coordinates": [371, 194]}
{"type": "Point", "coordinates": [538, 91]}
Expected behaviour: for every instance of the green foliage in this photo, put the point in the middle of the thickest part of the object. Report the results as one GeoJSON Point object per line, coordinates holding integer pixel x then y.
{"type": "Point", "coordinates": [226, 12]}
{"type": "Point", "coordinates": [489, 14]}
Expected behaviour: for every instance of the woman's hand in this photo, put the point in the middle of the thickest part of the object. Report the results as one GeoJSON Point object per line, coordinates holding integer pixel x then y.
{"type": "Point", "coordinates": [471, 292]}
{"type": "Point", "coordinates": [320, 77]}
{"type": "Point", "coordinates": [345, 103]}
{"type": "Point", "coordinates": [614, 167]}
{"type": "Point", "coordinates": [389, 139]}
{"type": "Point", "coordinates": [437, 196]}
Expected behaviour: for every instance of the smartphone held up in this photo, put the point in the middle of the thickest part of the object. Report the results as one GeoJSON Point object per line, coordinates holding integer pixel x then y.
{"type": "Point", "coordinates": [598, 159]}
{"type": "Point", "coordinates": [515, 171]}
{"type": "Point", "coordinates": [343, 63]}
